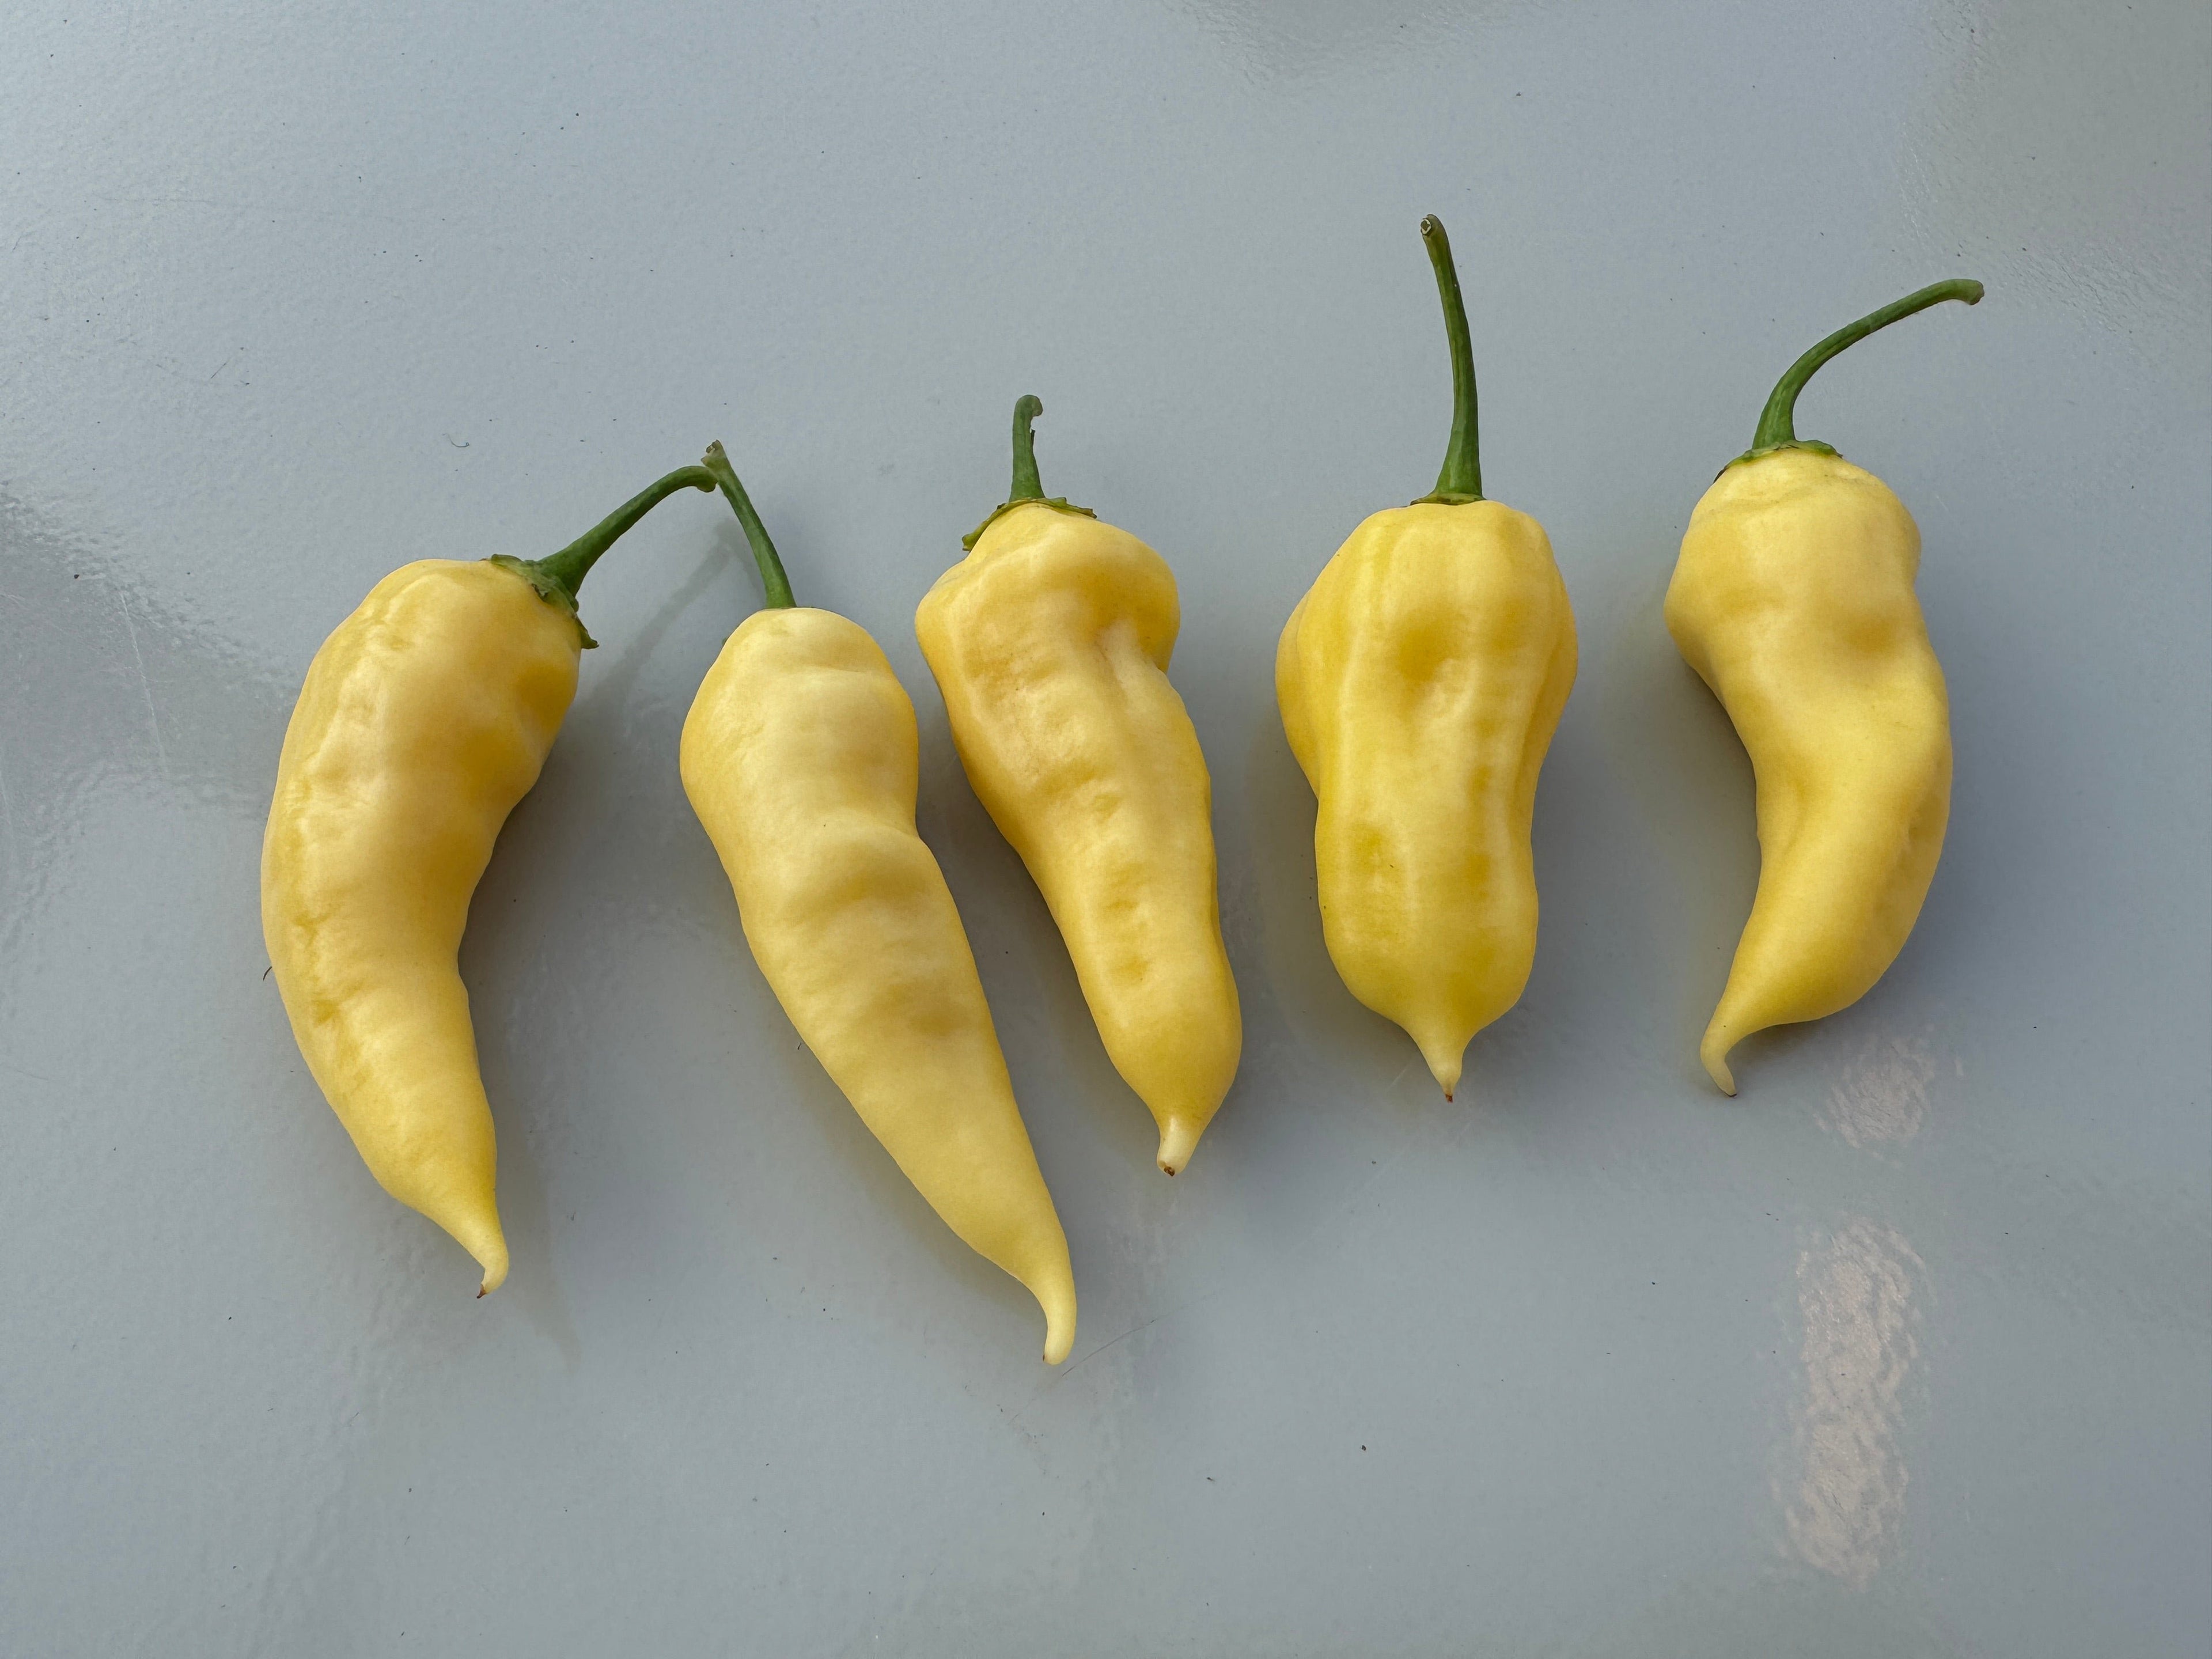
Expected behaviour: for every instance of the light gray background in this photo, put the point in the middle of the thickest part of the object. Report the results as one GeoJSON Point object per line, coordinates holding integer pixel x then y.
{"type": "Point", "coordinates": [1904, 1351]}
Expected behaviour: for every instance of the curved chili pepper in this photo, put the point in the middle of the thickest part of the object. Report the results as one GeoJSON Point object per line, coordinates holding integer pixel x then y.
{"type": "Point", "coordinates": [425, 717]}
{"type": "Point", "coordinates": [799, 757]}
{"type": "Point", "coordinates": [1793, 599]}
{"type": "Point", "coordinates": [1050, 643]}
{"type": "Point", "coordinates": [1420, 680]}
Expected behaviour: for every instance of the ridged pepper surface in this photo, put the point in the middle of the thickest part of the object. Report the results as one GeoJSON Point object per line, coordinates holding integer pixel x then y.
{"type": "Point", "coordinates": [424, 718]}
{"type": "Point", "coordinates": [1050, 643]}
{"type": "Point", "coordinates": [1793, 599]}
{"type": "Point", "coordinates": [1420, 680]}
{"type": "Point", "coordinates": [800, 756]}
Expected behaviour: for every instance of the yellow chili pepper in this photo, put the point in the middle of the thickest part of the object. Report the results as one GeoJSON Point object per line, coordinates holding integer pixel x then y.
{"type": "Point", "coordinates": [1050, 643]}
{"type": "Point", "coordinates": [799, 757]}
{"type": "Point", "coordinates": [1420, 680]}
{"type": "Point", "coordinates": [424, 718]}
{"type": "Point", "coordinates": [1793, 599]}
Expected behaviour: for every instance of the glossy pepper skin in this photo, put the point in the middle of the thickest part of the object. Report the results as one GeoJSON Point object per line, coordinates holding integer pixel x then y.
{"type": "Point", "coordinates": [799, 757]}
{"type": "Point", "coordinates": [424, 718]}
{"type": "Point", "coordinates": [1050, 643]}
{"type": "Point", "coordinates": [1420, 680]}
{"type": "Point", "coordinates": [1793, 599]}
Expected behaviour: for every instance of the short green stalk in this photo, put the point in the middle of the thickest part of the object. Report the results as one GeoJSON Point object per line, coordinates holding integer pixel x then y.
{"type": "Point", "coordinates": [1460, 480]}
{"type": "Point", "coordinates": [1778, 427]}
{"type": "Point", "coordinates": [775, 586]}
{"type": "Point", "coordinates": [559, 575]}
{"type": "Point", "coordinates": [1027, 486]}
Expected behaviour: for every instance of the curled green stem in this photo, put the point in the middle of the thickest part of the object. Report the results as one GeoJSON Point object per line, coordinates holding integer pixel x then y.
{"type": "Point", "coordinates": [1027, 486]}
{"type": "Point", "coordinates": [558, 576]}
{"type": "Point", "coordinates": [775, 586]}
{"type": "Point", "coordinates": [1778, 427]}
{"type": "Point", "coordinates": [1460, 478]}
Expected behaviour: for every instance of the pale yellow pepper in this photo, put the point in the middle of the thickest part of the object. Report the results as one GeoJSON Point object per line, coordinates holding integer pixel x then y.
{"type": "Point", "coordinates": [1420, 680]}
{"type": "Point", "coordinates": [1793, 599]}
{"type": "Point", "coordinates": [1050, 643]}
{"type": "Point", "coordinates": [800, 756]}
{"type": "Point", "coordinates": [425, 717]}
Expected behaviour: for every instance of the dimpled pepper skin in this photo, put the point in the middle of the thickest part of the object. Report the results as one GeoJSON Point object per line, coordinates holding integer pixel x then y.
{"type": "Point", "coordinates": [1420, 680]}
{"type": "Point", "coordinates": [1793, 599]}
{"type": "Point", "coordinates": [799, 757]}
{"type": "Point", "coordinates": [1050, 643]}
{"type": "Point", "coordinates": [424, 718]}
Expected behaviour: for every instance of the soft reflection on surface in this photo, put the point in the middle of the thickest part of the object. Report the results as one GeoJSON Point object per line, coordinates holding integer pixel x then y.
{"type": "Point", "coordinates": [1882, 1094]}
{"type": "Point", "coordinates": [1855, 1291]}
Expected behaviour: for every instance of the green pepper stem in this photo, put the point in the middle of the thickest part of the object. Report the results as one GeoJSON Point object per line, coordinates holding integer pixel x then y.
{"type": "Point", "coordinates": [567, 569]}
{"type": "Point", "coordinates": [1027, 486]}
{"type": "Point", "coordinates": [558, 575]}
{"type": "Point", "coordinates": [1778, 421]}
{"type": "Point", "coordinates": [775, 586]}
{"type": "Point", "coordinates": [1460, 480]}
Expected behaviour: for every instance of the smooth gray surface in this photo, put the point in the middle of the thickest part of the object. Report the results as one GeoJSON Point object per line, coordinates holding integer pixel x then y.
{"type": "Point", "coordinates": [1904, 1351]}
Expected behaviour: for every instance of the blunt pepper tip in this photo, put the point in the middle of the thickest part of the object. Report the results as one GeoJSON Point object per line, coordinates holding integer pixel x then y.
{"type": "Point", "coordinates": [1178, 1140]}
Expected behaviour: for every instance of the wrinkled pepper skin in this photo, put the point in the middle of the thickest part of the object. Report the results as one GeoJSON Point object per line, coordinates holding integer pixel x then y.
{"type": "Point", "coordinates": [1794, 600]}
{"type": "Point", "coordinates": [1420, 680]}
{"type": "Point", "coordinates": [1050, 643]}
{"type": "Point", "coordinates": [799, 757]}
{"type": "Point", "coordinates": [425, 717]}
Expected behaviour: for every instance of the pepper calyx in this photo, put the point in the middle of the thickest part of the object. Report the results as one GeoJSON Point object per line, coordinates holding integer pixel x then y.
{"type": "Point", "coordinates": [1449, 498]}
{"type": "Point", "coordinates": [549, 588]}
{"type": "Point", "coordinates": [557, 576]}
{"type": "Point", "coordinates": [1026, 490]}
{"type": "Point", "coordinates": [1813, 444]}
{"type": "Point", "coordinates": [1057, 503]}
